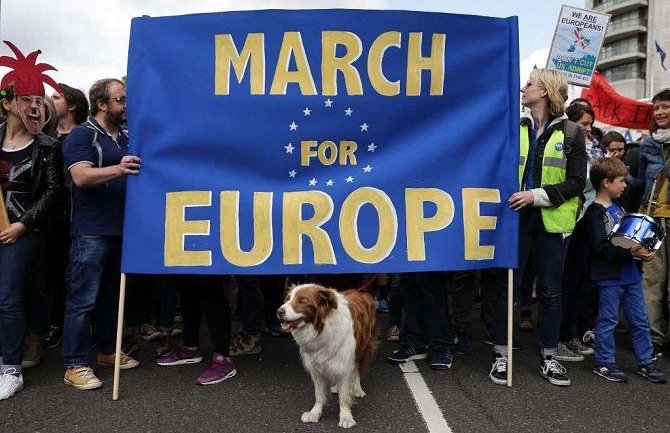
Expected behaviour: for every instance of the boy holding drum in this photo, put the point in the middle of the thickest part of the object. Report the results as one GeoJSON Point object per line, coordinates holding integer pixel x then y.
{"type": "Point", "coordinates": [617, 276]}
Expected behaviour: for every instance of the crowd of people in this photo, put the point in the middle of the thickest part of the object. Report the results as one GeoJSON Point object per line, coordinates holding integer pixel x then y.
{"type": "Point", "coordinates": [63, 169]}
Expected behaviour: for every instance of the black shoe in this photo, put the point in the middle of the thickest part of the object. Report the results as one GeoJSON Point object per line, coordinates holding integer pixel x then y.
{"type": "Point", "coordinates": [489, 340]}
{"type": "Point", "coordinates": [407, 353]}
{"type": "Point", "coordinates": [463, 343]}
{"type": "Point", "coordinates": [498, 374]}
{"type": "Point", "coordinates": [610, 372]}
{"type": "Point", "coordinates": [129, 344]}
{"type": "Point", "coordinates": [554, 372]}
{"type": "Point", "coordinates": [650, 373]}
{"type": "Point", "coordinates": [658, 352]}
{"type": "Point", "coordinates": [54, 338]}
{"type": "Point", "coordinates": [442, 359]}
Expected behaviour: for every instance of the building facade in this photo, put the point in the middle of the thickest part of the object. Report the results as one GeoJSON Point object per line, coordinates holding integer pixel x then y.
{"type": "Point", "coordinates": [629, 58]}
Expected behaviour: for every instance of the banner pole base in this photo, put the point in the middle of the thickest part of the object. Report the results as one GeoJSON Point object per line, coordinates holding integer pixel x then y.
{"type": "Point", "coordinates": [119, 337]}
{"type": "Point", "coordinates": [510, 321]}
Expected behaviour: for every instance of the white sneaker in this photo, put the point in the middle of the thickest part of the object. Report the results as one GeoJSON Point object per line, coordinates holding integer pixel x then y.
{"type": "Point", "coordinates": [10, 384]}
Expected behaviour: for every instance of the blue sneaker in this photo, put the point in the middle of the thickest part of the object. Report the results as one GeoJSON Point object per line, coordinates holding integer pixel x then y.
{"type": "Point", "coordinates": [610, 372]}
{"type": "Point", "coordinates": [442, 359]}
{"type": "Point", "coordinates": [407, 353]}
{"type": "Point", "coordinates": [650, 373]}
{"type": "Point", "coordinates": [383, 306]}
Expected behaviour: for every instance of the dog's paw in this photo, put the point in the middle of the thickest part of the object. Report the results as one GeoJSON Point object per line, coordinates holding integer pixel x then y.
{"type": "Point", "coordinates": [310, 417]}
{"type": "Point", "coordinates": [359, 393]}
{"type": "Point", "coordinates": [333, 389]}
{"type": "Point", "coordinates": [347, 422]}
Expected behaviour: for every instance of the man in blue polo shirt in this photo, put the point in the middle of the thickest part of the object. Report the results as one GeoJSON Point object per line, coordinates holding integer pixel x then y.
{"type": "Point", "coordinates": [96, 154]}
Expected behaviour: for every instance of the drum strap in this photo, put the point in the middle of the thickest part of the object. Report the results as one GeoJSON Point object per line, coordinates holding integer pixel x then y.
{"type": "Point", "coordinates": [663, 176]}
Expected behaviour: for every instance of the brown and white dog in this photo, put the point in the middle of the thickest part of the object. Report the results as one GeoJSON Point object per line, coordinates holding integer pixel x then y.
{"type": "Point", "coordinates": [336, 333]}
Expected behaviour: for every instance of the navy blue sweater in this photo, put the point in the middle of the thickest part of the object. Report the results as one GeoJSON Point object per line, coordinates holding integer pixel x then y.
{"type": "Point", "coordinates": [606, 259]}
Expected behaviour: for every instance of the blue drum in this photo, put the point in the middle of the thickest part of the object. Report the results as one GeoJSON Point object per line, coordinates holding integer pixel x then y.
{"type": "Point", "coordinates": [637, 229]}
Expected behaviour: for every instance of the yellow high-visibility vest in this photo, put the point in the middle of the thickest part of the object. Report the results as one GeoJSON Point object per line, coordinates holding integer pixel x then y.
{"type": "Point", "coordinates": [558, 219]}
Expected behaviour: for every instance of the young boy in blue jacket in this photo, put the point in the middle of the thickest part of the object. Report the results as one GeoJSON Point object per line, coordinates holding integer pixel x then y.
{"type": "Point", "coordinates": [617, 276]}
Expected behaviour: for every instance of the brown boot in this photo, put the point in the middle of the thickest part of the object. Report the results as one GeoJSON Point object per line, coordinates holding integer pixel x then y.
{"type": "Point", "coordinates": [526, 321]}
{"type": "Point", "coordinates": [33, 354]}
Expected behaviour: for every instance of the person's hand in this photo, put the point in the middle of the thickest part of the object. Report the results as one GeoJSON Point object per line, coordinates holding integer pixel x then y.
{"type": "Point", "coordinates": [642, 253]}
{"type": "Point", "coordinates": [521, 199]}
{"type": "Point", "coordinates": [13, 232]}
{"type": "Point", "coordinates": [130, 164]}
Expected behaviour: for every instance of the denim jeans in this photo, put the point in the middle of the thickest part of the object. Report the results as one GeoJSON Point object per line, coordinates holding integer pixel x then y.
{"type": "Point", "coordinates": [630, 297]}
{"type": "Point", "coordinates": [579, 297]}
{"type": "Point", "coordinates": [93, 283]}
{"type": "Point", "coordinates": [525, 295]}
{"type": "Point", "coordinates": [425, 303]}
{"type": "Point", "coordinates": [548, 250]}
{"type": "Point", "coordinates": [462, 291]}
{"type": "Point", "coordinates": [15, 260]}
{"type": "Point", "coordinates": [40, 288]}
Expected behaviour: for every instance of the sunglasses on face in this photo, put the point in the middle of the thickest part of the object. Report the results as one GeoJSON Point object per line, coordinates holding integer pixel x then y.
{"type": "Point", "coordinates": [119, 99]}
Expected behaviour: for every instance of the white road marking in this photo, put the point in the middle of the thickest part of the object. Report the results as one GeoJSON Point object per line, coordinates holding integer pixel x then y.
{"type": "Point", "coordinates": [430, 411]}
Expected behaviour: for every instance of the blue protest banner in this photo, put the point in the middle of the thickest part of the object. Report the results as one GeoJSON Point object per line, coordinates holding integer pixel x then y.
{"type": "Point", "coordinates": [322, 141]}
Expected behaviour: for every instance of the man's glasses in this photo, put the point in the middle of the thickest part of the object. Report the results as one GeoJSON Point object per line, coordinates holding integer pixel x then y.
{"type": "Point", "coordinates": [29, 100]}
{"type": "Point", "coordinates": [119, 99]}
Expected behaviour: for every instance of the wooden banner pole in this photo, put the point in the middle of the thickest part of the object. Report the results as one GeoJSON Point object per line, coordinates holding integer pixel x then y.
{"type": "Point", "coordinates": [4, 218]}
{"type": "Point", "coordinates": [510, 321]}
{"type": "Point", "coordinates": [119, 338]}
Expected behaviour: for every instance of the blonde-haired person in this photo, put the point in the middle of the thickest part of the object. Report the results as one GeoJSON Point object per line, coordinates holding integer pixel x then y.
{"type": "Point", "coordinates": [552, 173]}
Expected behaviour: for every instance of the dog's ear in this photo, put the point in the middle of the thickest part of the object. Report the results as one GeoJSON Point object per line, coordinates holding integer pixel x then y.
{"type": "Point", "coordinates": [327, 298]}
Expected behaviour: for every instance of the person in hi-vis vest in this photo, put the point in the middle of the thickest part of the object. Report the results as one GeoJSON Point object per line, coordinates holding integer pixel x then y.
{"type": "Point", "coordinates": [552, 173]}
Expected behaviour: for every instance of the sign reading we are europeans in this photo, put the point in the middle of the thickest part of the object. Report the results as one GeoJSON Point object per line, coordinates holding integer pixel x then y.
{"type": "Point", "coordinates": [322, 141]}
{"type": "Point", "coordinates": [576, 45]}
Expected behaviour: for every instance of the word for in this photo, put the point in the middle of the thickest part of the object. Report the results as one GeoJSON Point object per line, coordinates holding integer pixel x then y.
{"type": "Point", "coordinates": [327, 152]}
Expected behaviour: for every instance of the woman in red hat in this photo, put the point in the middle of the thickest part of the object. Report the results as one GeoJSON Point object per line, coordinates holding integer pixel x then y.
{"type": "Point", "coordinates": [29, 180]}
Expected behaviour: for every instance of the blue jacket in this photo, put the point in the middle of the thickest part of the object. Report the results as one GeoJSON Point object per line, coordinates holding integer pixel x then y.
{"type": "Point", "coordinates": [651, 164]}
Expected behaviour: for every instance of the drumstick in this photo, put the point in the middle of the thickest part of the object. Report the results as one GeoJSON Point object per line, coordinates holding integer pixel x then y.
{"type": "Point", "coordinates": [651, 194]}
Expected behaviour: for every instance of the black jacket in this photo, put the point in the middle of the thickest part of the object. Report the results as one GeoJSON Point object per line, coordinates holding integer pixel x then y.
{"type": "Point", "coordinates": [46, 173]}
{"type": "Point", "coordinates": [605, 258]}
{"type": "Point", "coordinates": [575, 169]}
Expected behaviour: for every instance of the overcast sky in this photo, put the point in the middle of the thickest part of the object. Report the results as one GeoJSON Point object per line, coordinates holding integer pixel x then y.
{"type": "Point", "coordinates": [88, 39]}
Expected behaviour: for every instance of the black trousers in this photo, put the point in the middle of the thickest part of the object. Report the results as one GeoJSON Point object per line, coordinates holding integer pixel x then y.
{"type": "Point", "coordinates": [205, 294]}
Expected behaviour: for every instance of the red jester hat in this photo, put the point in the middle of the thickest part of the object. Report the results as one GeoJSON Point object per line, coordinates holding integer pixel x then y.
{"type": "Point", "coordinates": [28, 78]}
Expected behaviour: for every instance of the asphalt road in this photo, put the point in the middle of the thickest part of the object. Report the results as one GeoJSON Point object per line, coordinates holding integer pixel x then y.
{"type": "Point", "coordinates": [271, 391]}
